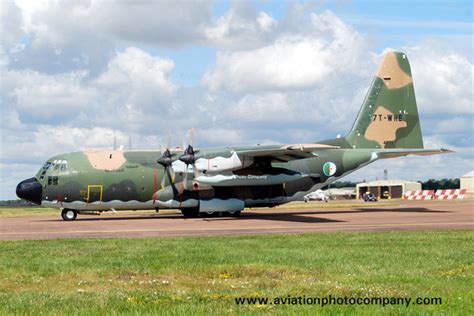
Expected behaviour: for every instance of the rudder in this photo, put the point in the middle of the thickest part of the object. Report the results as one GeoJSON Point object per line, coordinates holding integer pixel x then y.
{"type": "Point", "coordinates": [388, 117]}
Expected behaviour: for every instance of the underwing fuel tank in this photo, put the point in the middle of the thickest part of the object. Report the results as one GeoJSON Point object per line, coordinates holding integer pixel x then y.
{"type": "Point", "coordinates": [248, 179]}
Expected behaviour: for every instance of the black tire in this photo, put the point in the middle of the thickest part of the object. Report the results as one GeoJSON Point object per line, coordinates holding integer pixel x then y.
{"type": "Point", "coordinates": [231, 214]}
{"type": "Point", "coordinates": [190, 212]}
{"type": "Point", "coordinates": [69, 214]}
{"type": "Point", "coordinates": [207, 214]}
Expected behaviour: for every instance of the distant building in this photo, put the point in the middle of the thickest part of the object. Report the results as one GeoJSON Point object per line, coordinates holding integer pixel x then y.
{"type": "Point", "coordinates": [395, 188]}
{"type": "Point", "coordinates": [341, 193]}
{"type": "Point", "coordinates": [467, 182]}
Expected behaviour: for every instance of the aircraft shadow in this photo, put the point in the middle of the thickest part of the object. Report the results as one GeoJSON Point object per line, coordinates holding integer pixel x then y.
{"type": "Point", "coordinates": [398, 210]}
{"type": "Point", "coordinates": [285, 217]}
{"type": "Point", "coordinates": [352, 211]}
{"type": "Point", "coordinates": [274, 215]}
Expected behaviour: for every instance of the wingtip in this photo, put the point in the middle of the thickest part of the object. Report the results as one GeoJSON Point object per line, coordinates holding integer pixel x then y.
{"type": "Point", "coordinates": [446, 151]}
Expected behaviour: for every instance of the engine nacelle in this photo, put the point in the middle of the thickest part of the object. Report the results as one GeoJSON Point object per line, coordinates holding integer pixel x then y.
{"type": "Point", "coordinates": [180, 195]}
{"type": "Point", "coordinates": [214, 165]}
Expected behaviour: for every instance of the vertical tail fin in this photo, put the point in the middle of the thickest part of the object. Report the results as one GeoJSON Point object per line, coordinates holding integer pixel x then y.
{"type": "Point", "coordinates": [388, 117]}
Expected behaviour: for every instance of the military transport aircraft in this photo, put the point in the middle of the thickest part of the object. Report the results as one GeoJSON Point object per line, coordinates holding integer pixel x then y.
{"type": "Point", "coordinates": [226, 180]}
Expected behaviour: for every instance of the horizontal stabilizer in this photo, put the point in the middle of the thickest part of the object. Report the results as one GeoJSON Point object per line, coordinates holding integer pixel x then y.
{"type": "Point", "coordinates": [392, 153]}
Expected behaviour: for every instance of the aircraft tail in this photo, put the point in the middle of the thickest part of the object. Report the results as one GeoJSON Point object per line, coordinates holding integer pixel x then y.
{"type": "Point", "coordinates": [388, 117]}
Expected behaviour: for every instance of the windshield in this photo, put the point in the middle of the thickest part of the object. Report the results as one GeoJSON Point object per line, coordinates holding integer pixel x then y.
{"type": "Point", "coordinates": [60, 165]}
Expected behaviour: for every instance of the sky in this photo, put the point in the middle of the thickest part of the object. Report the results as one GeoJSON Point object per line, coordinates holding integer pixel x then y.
{"type": "Point", "coordinates": [76, 74]}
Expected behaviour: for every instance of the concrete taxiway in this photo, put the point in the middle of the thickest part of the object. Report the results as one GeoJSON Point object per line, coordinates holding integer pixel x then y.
{"type": "Point", "coordinates": [403, 215]}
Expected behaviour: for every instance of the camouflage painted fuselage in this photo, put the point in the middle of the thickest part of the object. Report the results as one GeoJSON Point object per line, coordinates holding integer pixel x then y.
{"type": "Point", "coordinates": [231, 178]}
{"type": "Point", "coordinates": [137, 183]}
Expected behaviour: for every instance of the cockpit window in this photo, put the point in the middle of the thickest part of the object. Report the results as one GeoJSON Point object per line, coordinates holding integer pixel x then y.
{"type": "Point", "coordinates": [59, 165]}
{"type": "Point", "coordinates": [47, 165]}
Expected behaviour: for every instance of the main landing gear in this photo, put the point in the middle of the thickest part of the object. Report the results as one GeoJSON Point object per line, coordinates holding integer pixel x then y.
{"type": "Point", "coordinates": [68, 214]}
{"type": "Point", "coordinates": [194, 212]}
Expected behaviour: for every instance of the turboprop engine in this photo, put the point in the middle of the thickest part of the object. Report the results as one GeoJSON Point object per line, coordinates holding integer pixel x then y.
{"type": "Point", "coordinates": [213, 165]}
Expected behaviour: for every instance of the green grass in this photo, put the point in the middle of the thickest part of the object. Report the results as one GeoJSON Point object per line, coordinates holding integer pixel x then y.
{"type": "Point", "coordinates": [203, 275]}
{"type": "Point", "coordinates": [26, 211]}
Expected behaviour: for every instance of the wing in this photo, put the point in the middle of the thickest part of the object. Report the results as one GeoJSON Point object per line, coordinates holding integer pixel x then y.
{"type": "Point", "coordinates": [284, 153]}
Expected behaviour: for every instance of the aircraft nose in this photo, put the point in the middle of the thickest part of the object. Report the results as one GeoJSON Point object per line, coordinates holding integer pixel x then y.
{"type": "Point", "coordinates": [30, 190]}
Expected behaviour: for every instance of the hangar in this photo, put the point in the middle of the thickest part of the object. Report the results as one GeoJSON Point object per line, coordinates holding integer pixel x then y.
{"type": "Point", "coordinates": [467, 182]}
{"type": "Point", "coordinates": [395, 188]}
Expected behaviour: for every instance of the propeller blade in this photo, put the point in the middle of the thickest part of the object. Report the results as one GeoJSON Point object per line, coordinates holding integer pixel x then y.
{"type": "Point", "coordinates": [183, 144]}
{"type": "Point", "coordinates": [192, 136]}
{"type": "Point", "coordinates": [168, 143]}
{"type": "Point", "coordinates": [185, 177]}
{"type": "Point", "coordinates": [196, 171]}
{"type": "Point", "coordinates": [172, 174]}
{"type": "Point", "coordinates": [163, 180]}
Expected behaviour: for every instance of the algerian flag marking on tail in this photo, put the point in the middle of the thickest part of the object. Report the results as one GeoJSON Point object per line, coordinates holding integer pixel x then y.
{"type": "Point", "coordinates": [329, 168]}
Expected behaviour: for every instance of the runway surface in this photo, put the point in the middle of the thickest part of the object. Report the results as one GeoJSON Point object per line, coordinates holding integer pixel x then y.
{"type": "Point", "coordinates": [404, 215]}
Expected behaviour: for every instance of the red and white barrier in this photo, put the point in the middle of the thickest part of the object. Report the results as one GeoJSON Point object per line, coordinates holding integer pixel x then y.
{"type": "Point", "coordinates": [454, 194]}
{"type": "Point", "coordinates": [419, 195]}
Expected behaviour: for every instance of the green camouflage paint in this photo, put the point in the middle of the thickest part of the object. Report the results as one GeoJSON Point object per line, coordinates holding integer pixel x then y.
{"type": "Point", "coordinates": [387, 126]}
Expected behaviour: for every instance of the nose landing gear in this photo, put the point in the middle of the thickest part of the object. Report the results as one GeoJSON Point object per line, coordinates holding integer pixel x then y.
{"type": "Point", "coordinates": [68, 214]}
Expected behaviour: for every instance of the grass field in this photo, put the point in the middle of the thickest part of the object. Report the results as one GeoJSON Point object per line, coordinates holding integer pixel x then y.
{"type": "Point", "coordinates": [204, 275]}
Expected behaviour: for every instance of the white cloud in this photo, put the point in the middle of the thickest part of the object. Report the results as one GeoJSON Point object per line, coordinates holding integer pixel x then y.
{"type": "Point", "coordinates": [47, 96]}
{"type": "Point", "coordinates": [45, 141]}
{"type": "Point", "coordinates": [11, 20]}
{"type": "Point", "coordinates": [442, 79]}
{"type": "Point", "coordinates": [133, 81]}
{"type": "Point", "coordinates": [256, 107]}
{"type": "Point", "coordinates": [241, 28]}
{"type": "Point", "coordinates": [145, 78]}
{"type": "Point", "coordinates": [292, 62]}
{"type": "Point", "coordinates": [456, 125]}
{"type": "Point", "coordinates": [266, 22]}
{"type": "Point", "coordinates": [75, 73]}
{"type": "Point", "coordinates": [173, 23]}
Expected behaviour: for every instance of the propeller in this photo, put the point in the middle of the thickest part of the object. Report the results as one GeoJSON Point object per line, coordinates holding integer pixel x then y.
{"type": "Point", "coordinates": [188, 157]}
{"type": "Point", "coordinates": [166, 160]}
